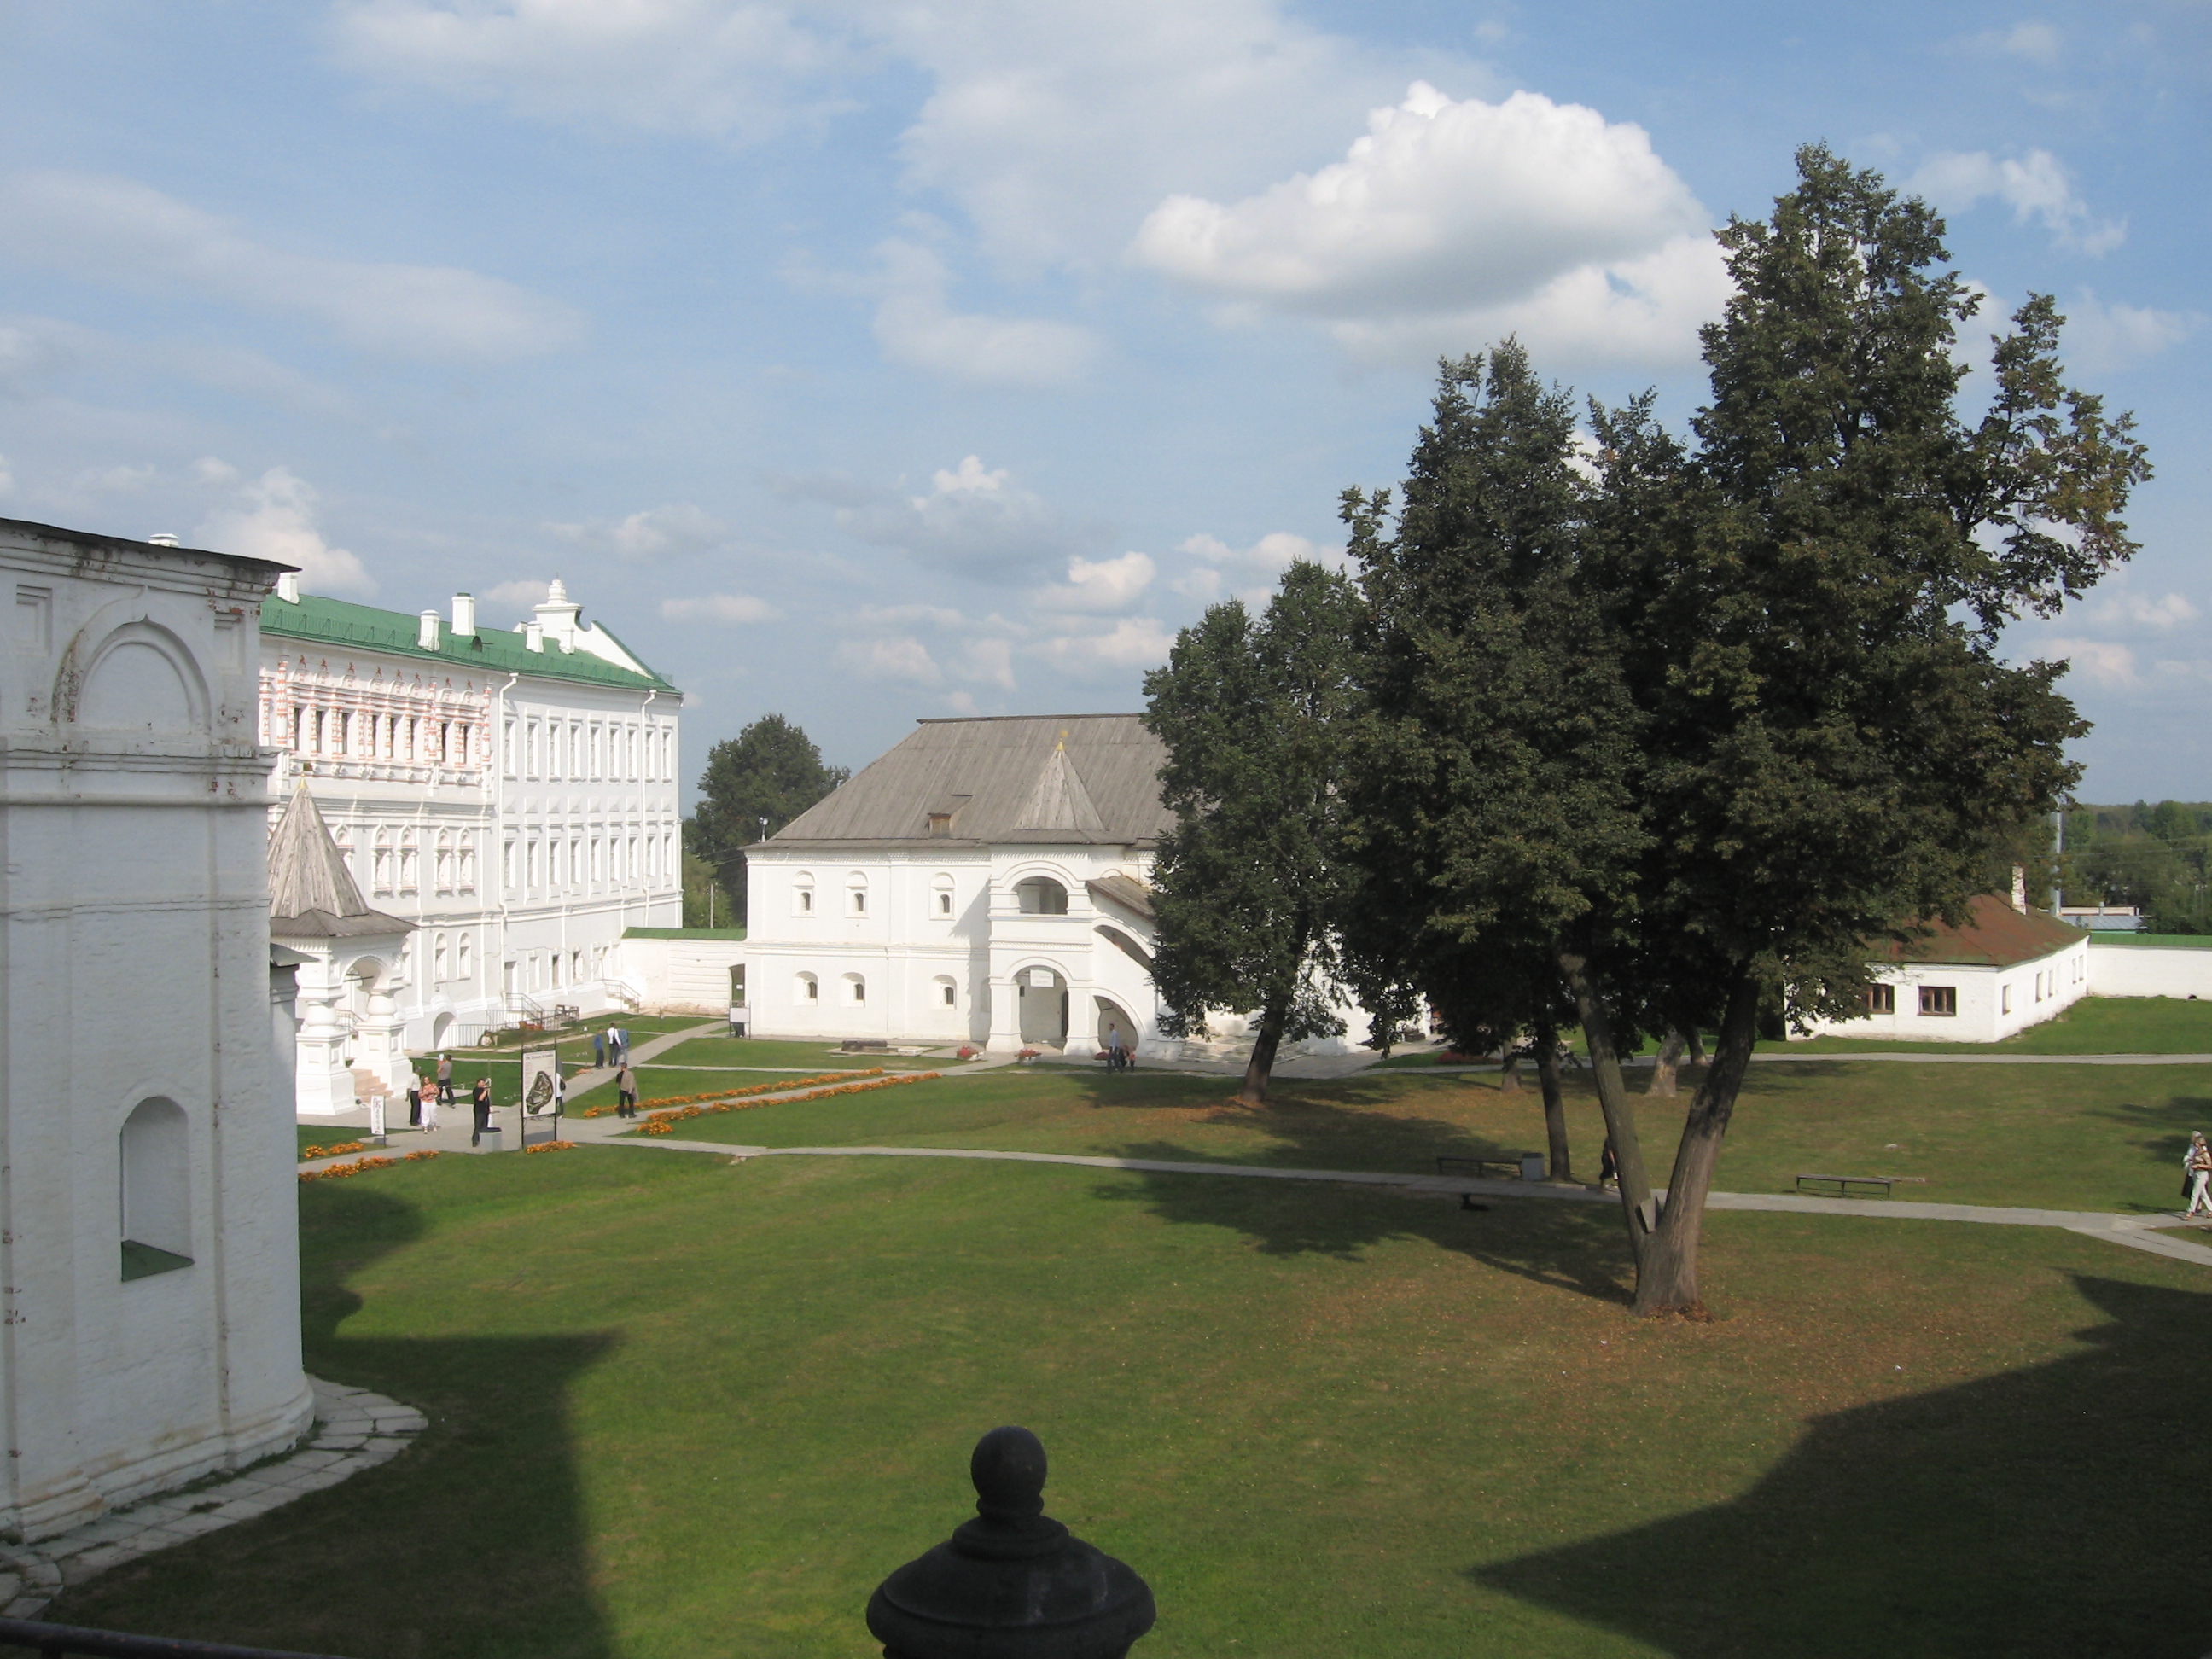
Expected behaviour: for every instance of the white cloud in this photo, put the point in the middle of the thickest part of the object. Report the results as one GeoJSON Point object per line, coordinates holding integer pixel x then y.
{"type": "Point", "coordinates": [273, 518]}
{"type": "Point", "coordinates": [2035, 186]}
{"type": "Point", "coordinates": [676, 529]}
{"type": "Point", "coordinates": [988, 661]}
{"type": "Point", "coordinates": [974, 521]}
{"type": "Point", "coordinates": [2038, 42]}
{"type": "Point", "coordinates": [2102, 337]}
{"type": "Point", "coordinates": [901, 658]}
{"type": "Point", "coordinates": [522, 594]}
{"type": "Point", "coordinates": [1453, 222]}
{"type": "Point", "coordinates": [214, 469]}
{"type": "Point", "coordinates": [2135, 611]}
{"type": "Point", "coordinates": [1250, 573]}
{"type": "Point", "coordinates": [1132, 642]}
{"type": "Point", "coordinates": [118, 232]}
{"type": "Point", "coordinates": [718, 608]}
{"type": "Point", "coordinates": [118, 480]}
{"type": "Point", "coordinates": [2099, 661]}
{"type": "Point", "coordinates": [907, 615]}
{"type": "Point", "coordinates": [701, 66]}
{"type": "Point", "coordinates": [917, 330]}
{"type": "Point", "coordinates": [1106, 585]}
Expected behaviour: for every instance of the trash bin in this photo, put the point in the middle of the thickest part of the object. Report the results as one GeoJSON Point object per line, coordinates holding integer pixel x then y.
{"type": "Point", "coordinates": [492, 1142]}
{"type": "Point", "coordinates": [1532, 1166]}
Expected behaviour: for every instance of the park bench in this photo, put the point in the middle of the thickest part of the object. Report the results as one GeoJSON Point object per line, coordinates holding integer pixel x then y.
{"type": "Point", "coordinates": [1843, 1184]}
{"type": "Point", "coordinates": [1452, 1164]}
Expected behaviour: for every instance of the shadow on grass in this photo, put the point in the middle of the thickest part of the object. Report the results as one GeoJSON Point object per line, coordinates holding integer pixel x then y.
{"type": "Point", "coordinates": [470, 1544]}
{"type": "Point", "coordinates": [2161, 1132]}
{"type": "Point", "coordinates": [2056, 1510]}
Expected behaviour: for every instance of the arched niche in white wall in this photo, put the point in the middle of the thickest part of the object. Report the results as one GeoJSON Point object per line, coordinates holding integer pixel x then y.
{"type": "Point", "coordinates": [155, 1195]}
{"type": "Point", "coordinates": [139, 677]}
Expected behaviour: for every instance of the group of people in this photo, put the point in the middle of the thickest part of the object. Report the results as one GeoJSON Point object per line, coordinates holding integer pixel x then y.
{"type": "Point", "coordinates": [430, 1090]}
{"type": "Point", "coordinates": [610, 1047]}
{"type": "Point", "coordinates": [2196, 1173]}
{"type": "Point", "coordinates": [1117, 1049]}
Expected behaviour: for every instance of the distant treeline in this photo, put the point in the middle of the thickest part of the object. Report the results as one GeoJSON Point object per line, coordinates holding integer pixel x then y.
{"type": "Point", "coordinates": [2153, 856]}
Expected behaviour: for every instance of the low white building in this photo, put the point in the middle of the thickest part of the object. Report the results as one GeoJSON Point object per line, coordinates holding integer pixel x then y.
{"type": "Point", "coordinates": [510, 795]}
{"type": "Point", "coordinates": [148, 1232]}
{"type": "Point", "coordinates": [984, 882]}
{"type": "Point", "coordinates": [2004, 970]}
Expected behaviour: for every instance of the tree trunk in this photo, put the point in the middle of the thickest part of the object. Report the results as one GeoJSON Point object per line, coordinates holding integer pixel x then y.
{"type": "Point", "coordinates": [1662, 1073]}
{"type": "Point", "coordinates": [1272, 1018]}
{"type": "Point", "coordinates": [1639, 1210]}
{"type": "Point", "coordinates": [1667, 1276]}
{"type": "Point", "coordinates": [1509, 1075]}
{"type": "Point", "coordinates": [1560, 1164]}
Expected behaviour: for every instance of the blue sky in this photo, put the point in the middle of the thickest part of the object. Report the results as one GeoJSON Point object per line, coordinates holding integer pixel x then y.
{"type": "Point", "coordinates": [867, 361]}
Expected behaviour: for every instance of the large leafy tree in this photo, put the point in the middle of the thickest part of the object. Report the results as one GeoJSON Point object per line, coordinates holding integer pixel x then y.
{"type": "Point", "coordinates": [1804, 737]}
{"type": "Point", "coordinates": [1838, 749]}
{"type": "Point", "coordinates": [1495, 830]}
{"type": "Point", "coordinates": [754, 784]}
{"type": "Point", "coordinates": [1255, 716]}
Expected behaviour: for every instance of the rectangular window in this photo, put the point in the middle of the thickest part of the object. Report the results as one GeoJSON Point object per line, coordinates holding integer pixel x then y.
{"type": "Point", "coordinates": [506, 749]}
{"type": "Point", "coordinates": [951, 998]}
{"type": "Point", "coordinates": [1879, 999]}
{"type": "Point", "coordinates": [1941, 1001]}
{"type": "Point", "coordinates": [2004, 999]}
{"type": "Point", "coordinates": [530, 872]}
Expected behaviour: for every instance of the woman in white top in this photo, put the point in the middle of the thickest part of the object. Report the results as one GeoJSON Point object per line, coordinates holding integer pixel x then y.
{"type": "Point", "coordinates": [429, 1104]}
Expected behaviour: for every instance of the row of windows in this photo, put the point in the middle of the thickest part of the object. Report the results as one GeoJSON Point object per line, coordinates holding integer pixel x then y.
{"type": "Point", "coordinates": [587, 751]}
{"type": "Point", "coordinates": [553, 970]}
{"type": "Point", "coordinates": [853, 990]}
{"type": "Point", "coordinates": [1040, 896]}
{"type": "Point", "coordinates": [356, 734]}
{"type": "Point", "coordinates": [1941, 1001]}
{"type": "Point", "coordinates": [583, 861]}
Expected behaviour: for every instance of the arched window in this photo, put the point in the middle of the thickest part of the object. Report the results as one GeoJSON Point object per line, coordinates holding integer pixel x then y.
{"type": "Point", "coordinates": [802, 893]}
{"type": "Point", "coordinates": [948, 993]}
{"type": "Point", "coordinates": [856, 894]}
{"type": "Point", "coordinates": [406, 860]}
{"type": "Point", "coordinates": [468, 875]}
{"type": "Point", "coordinates": [1041, 895]}
{"type": "Point", "coordinates": [466, 951]}
{"type": "Point", "coordinates": [856, 990]}
{"type": "Point", "coordinates": [156, 1190]}
{"type": "Point", "coordinates": [380, 861]}
{"type": "Point", "coordinates": [445, 865]}
{"type": "Point", "coordinates": [438, 961]}
{"type": "Point", "coordinates": [940, 897]}
{"type": "Point", "coordinates": [805, 988]}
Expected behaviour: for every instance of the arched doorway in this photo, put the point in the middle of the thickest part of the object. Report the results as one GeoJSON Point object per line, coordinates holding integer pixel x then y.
{"type": "Point", "coordinates": [1042, 995]}
{"type": "Point", "coordinates": [1112, 1017]}
{"type": "Point", "coordinates": [441, 1031]}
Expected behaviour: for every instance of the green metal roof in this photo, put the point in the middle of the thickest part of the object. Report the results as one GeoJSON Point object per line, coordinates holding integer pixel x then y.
{"type": "Point", "coordinates": [488, 651]}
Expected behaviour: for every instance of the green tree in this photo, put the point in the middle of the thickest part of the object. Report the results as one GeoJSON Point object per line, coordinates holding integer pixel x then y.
{"type": "Point", "coordinates": [754, 784]}
{"type": "Point", "coordinates": [1256, 719]}
{"type": "Point", "coordinates": [1835, 748]}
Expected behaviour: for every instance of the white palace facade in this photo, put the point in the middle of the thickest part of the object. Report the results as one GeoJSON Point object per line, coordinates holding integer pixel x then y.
{"type": "Point", "coordinates": [510, 795]}
{"type": "Point", "coordinates": [984, 882]}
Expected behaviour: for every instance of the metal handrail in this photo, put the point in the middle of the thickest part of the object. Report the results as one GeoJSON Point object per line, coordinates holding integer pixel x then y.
{"type": "Point", "coordinates": [56, 1639]}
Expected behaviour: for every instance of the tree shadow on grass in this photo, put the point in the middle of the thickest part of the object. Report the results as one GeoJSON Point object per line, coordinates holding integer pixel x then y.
{"type": "Point", "coordinates": [2161, 1132]}
{"type": "Point", "coordinates": [2059, 1510]}
{"type": "Point", "coordinates": [470, 1544]}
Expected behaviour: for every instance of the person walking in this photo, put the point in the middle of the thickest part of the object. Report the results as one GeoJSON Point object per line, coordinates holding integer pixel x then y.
{"type": "Point", "coordinates": [414, 1099]}
{"type": "Point", "coordinates": [625, 1092]}
{"type": "Point", "coordinates": [427, 1092]}
{"type": "Point", "coordinates": [614, 1045]}
{"type": "Point", "coordinates": [481, 1100]}
{"type": "Point", "coordinates": [445, 1079]}
{"type": "Point", "coordinates": [1117, 1052]}
{"type": "Point", "coordinates": [2197, 1176]}
{"type": "Point", "coordinates": [598, 1050]}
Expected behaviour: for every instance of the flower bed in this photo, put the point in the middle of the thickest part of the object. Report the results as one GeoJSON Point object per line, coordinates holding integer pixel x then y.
{"type": "Point", "coordinates": [552, 1146]}
{"type": "Point", "coordinates": [309, 1154]}
{"type": "Point", "coordinates": [740, 1094]}
{"type": "Point", "coordinates": [362, 1165]}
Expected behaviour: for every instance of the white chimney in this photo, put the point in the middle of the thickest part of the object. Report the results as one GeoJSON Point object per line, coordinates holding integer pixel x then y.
{"type": "Point", "coordinates": [558, 616]}
{"type": "Point", "coordinates": [428, 637]}
{"type": "Point", "coordinates": [2019, 888]}
{"type": "Point", "coordinates": [162, 538]}
{"type": "Point", "coordinates": [465, 616]}
{"type": "Point", "coordinates": [533, 636]}
{"type": "Point", "coordinates": [288, 587]}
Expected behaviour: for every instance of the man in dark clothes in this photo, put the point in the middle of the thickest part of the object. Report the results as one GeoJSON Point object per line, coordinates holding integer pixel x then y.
{"type": "Point", "coordinates": [482, 1100]}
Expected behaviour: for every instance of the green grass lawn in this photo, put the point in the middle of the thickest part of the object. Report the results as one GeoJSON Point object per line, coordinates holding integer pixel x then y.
{"type": "Point", "coordinates": [682, 1408]}
{"type": "Point", "coordinates": [803, 1057]}
{"type": "Point", "coordinates": [2091, 1138]}
{"type": "Point", "coordinates": [657, 1083]}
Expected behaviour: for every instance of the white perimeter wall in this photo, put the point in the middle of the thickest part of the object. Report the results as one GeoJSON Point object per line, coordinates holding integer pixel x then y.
{"type": "Point", "coordinates": [2149, 970]}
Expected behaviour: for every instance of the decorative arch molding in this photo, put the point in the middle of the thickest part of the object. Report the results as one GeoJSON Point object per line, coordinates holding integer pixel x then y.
{"type": "Point", "coordinates": [1029, 869]}
{"type": "Point", "coordinates": [133, 675]}
{"type": "Point", "coordinates": [1126, 945]}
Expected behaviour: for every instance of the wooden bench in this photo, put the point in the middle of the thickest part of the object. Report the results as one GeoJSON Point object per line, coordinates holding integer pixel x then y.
{"type": "Point", "coordinates": [1843, 1184]}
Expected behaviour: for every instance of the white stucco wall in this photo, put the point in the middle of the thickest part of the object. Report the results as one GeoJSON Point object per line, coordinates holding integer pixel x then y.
{"type": "Point", "coordinates": [137, 971]}
{"type": "Point", "coordinates": [1993, 1003]}
{"type": "Point", "coordinates": [905, 947]}
{"type": "Point", "coordinates": [2149, 970]}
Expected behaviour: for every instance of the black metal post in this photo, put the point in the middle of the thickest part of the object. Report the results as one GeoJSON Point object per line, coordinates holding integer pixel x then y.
{"type": "Point", "coordinates": [1012, 1583]}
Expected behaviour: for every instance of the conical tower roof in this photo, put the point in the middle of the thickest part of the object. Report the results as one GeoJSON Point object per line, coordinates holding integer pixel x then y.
{"type": "Point", "coordinates": [1059, 801]}
{"type": "Point", "coordinates": [311, 894]}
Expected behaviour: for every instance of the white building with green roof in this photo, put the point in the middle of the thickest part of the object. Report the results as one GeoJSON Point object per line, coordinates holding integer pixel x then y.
{"type": "Point", "coordinates": [511, 793]}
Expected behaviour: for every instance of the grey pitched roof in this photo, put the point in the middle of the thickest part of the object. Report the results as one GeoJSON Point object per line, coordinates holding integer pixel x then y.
{"type": "Point", "coordinates": [311, 894]}
{"type": "Point", "coordinates": [1079, 779]}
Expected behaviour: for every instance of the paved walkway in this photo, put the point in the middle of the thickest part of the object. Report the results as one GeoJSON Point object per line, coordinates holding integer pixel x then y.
{"type": "Point", "coordinates": [1782, 1056]}
{"type": "Point", "coordinates": [2136, 1231]}
{"type": "Point", "coordinates": [354, 1429]}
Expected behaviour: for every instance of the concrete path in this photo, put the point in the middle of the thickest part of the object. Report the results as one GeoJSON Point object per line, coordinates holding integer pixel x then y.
{"type": "Point", "coordinates": [2137, 1232]}
{"type": "Point", "coordinates": [1782, 1056]}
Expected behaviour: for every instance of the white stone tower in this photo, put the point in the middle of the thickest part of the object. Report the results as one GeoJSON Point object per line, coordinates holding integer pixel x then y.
{"type": "Point", "coordinates": [149, 1223]}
